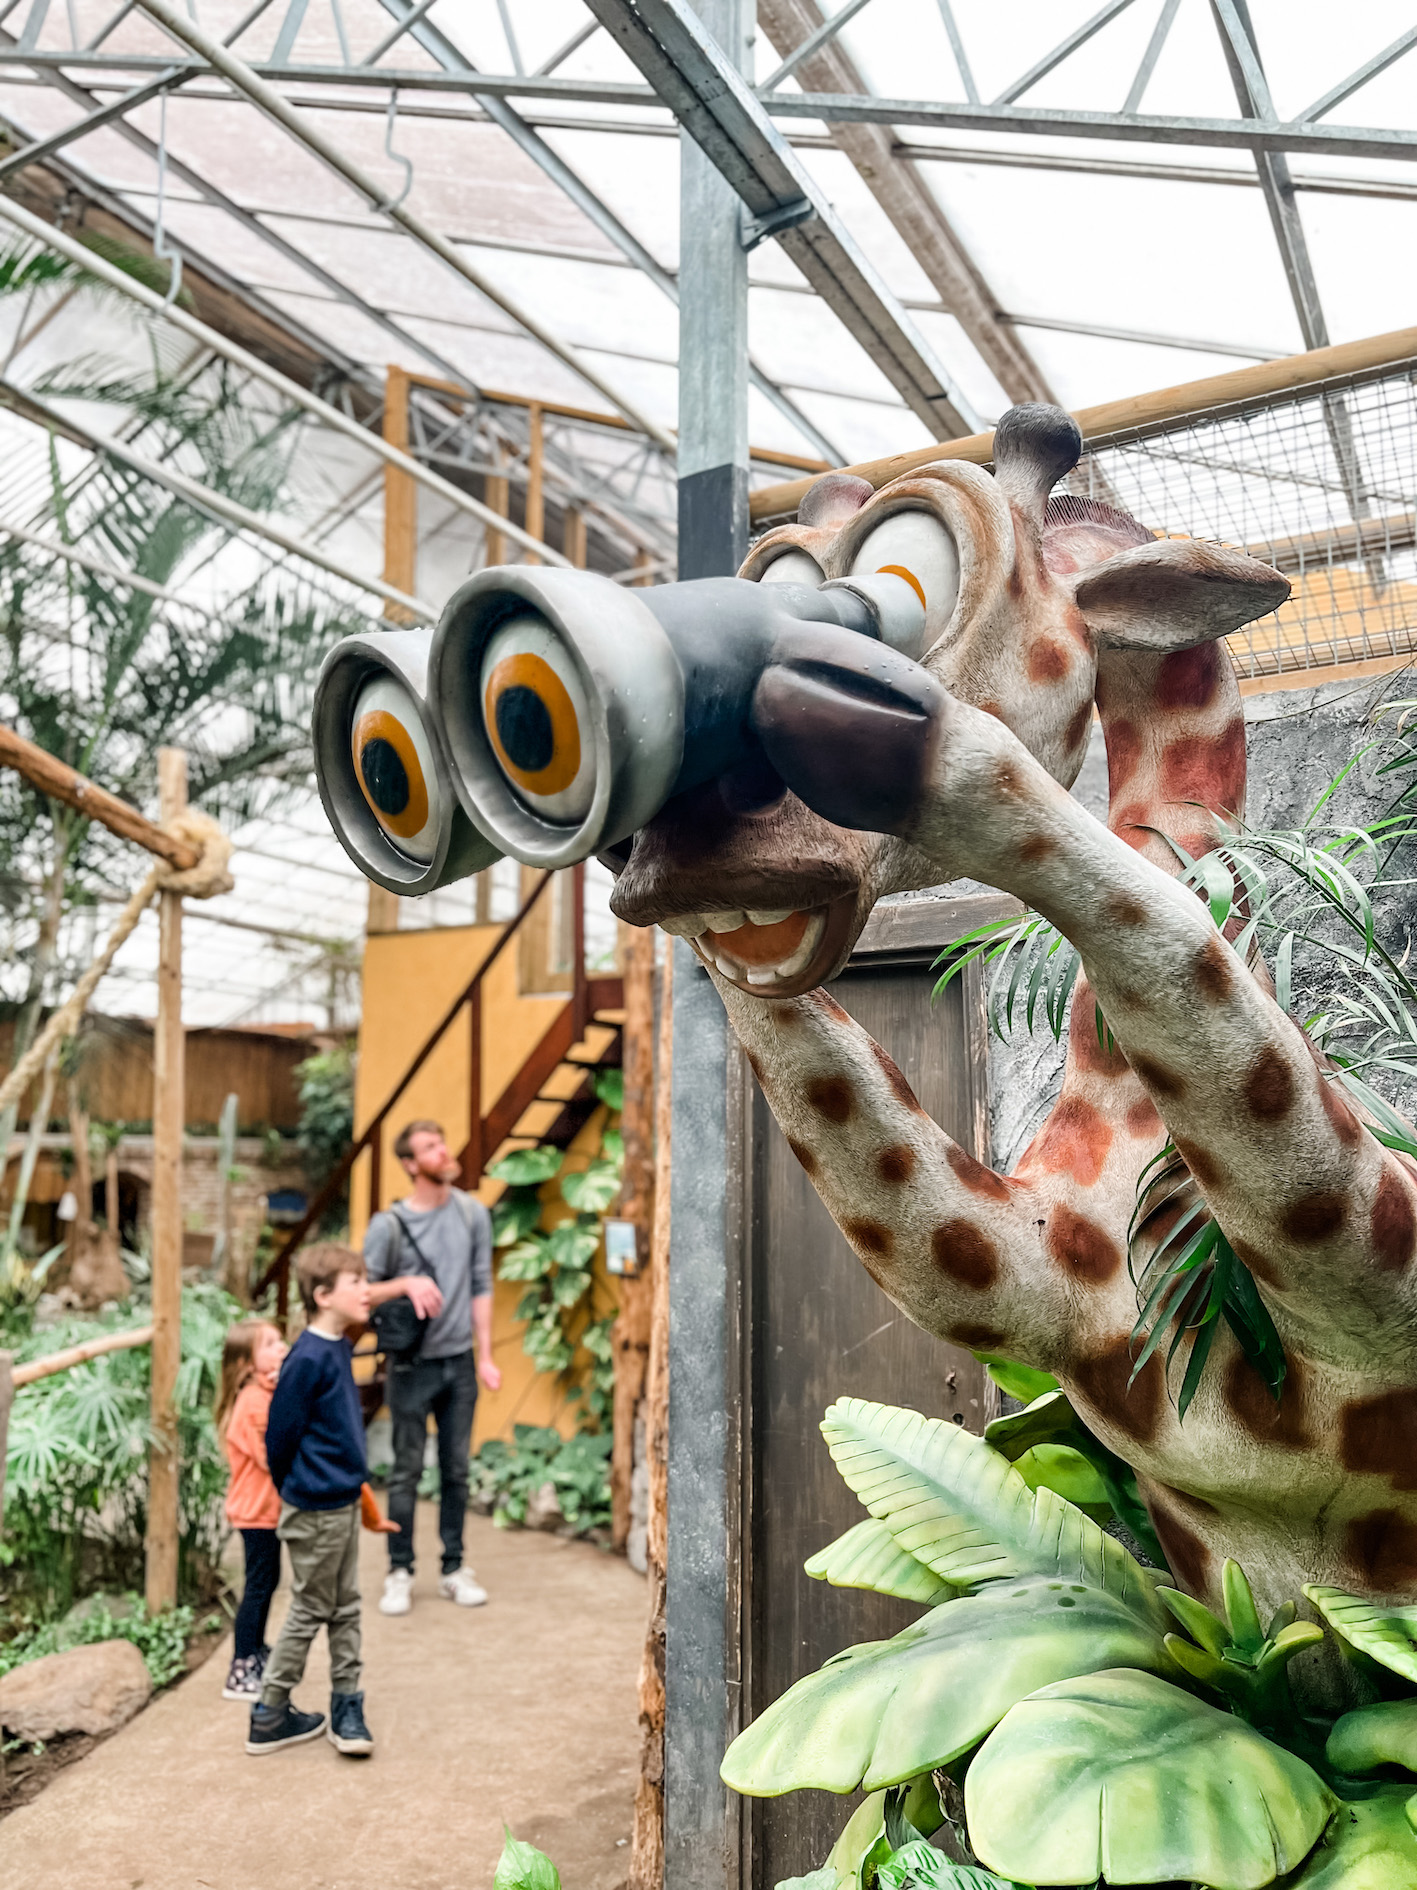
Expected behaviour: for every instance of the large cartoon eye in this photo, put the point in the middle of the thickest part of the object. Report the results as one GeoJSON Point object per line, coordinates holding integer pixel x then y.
{"type": "Point", "coordinates": [534, 711]}
{"type": "Point", "coordinates": [916, 547]}
{"type": "Point", "coordinates": [793, 567]}
{"type": "Point", "coordinates": [393, 763]}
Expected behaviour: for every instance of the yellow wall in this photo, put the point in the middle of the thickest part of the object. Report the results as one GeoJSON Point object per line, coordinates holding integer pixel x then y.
{"type": "Point", "coordinates": [410, 979]}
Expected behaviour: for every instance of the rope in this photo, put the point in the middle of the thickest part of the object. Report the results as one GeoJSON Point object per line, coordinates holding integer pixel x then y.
{"type": "Point", "coordinates": [202, 881]}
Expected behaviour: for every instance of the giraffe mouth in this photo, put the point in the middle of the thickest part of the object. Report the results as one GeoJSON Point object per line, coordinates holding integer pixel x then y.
{"type": "Point", "coordinates": [774, 953]}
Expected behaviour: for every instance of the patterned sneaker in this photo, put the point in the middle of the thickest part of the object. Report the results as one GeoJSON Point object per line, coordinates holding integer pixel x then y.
{"type": "Point", "coordinates": [275, 1726]}
{"type": "Point", "coordinates": [243, 1679]}
{"type": "Point", "coordinates": [462, 1587]}
{"type": "Point", "coordinates": [397, 1597]}
{"type": "Point", "coordinates": [348, 1733]}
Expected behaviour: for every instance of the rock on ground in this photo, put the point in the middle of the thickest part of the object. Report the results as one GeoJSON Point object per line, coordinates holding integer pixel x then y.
{"type": "Point", "coordinates": [93, 1689]}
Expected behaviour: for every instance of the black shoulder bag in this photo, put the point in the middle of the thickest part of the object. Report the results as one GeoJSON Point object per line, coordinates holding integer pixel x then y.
{"type": "Point", "coordinates": [398, 1323]}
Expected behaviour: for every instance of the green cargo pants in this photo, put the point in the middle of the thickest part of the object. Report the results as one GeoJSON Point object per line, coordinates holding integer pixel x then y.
{"type": "Point", "coordinates": [323, 1546]}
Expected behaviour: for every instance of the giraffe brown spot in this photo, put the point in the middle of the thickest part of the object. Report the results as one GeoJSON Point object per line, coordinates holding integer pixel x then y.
{"type": "Point", "coordinates": [1006, 778]}
{"type": "Point", "coordinates": [900, 1089]}
{"type": "Point", "coordinates": [1206, 1169]}
{"type": "Point", "coordinates": [1122, 909]}
{"type": "Point", "coordinates": [1123, 754]}
{"type": "Point", "coordinates": [1189, 679]}
{"type": "Point", "coordinates": [1214, 971]}
{"type": "Point", "coordinates": [1269, 1086]}
{"type": "Point", "coordinates": [1143, 1118]}
{"type": "Point", "coordinates": [1186, 1554]}
{"type": "Point", "coordinates": [1285, 1425]}
{"type": "Point", "coordinates": [1345, 1124]}
{"type": "Point", "coordinates": [1130, 822]}
{"type": "Point", "coordinates": [975, 1176]}
{"type": "Point", "coordinates": [829, 1007]}
{"type": "Point", "coordinates": [1103, 1381]}
{"type": "Point", "coordinates": [1077, 625]}
{"type": "Point", "coordinates": [1048, 661]}
{"type": "Point", "coordinates": [1079, 727]}
{"type": "Point", "coordinates": [1393, 1225]}
{"type": "Point", "coordinates": [804, 1155]}
{"type": "Point", "coordinates": [832, 1097]}
{"type": "Point", "coordinates": [1156, 1076]}
{"type": "Point", "coordinates": [874, 1236]}
{"type": "Point", "coordinates": [897, 1163]}
{"type": "Point", "coordinates": [1314, 1217]}
{"type": "Point", "coordinates": [991, 708]}
{"type": "Point", "coordinates": [1379, 1437]}
{"type": "Point", "coordinates": [1259, 1264]}
{"type": "Point", "coordinates": [1073, 1141]}
{"type": "Point", "coordinates": [1381, 1548]}
{"type": "Point", "coordinates": [965, 1254]}
{"type": "Point", "coordinates": [1096, 1053]}
{"type": "Point", "coordinates": [1209, 770]}
{"type": "Point", "coordinates": [977, 1338]}
{"type": "Point", "coordinates": [1081, 1248]}
{"type": "Point", "coordinates": [1038, 846]}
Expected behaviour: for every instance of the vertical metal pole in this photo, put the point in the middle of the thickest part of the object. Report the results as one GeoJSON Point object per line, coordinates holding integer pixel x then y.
{"type": "Point", "coordinates": [713, 340]}
{"type": "Point", "coordinates": [168, 1115]}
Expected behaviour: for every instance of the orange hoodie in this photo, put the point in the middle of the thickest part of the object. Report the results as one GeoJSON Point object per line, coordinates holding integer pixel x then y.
{"type": "Point", "coordinates": [252, 1501]}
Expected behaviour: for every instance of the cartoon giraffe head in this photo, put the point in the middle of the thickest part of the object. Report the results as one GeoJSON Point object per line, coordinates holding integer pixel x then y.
{"type": "Point", "coordinates": [1022, 597]}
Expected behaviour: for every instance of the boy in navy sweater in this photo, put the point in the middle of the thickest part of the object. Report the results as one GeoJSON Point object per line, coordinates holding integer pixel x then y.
{"type": "Point", "coordinates": [315, 1449]}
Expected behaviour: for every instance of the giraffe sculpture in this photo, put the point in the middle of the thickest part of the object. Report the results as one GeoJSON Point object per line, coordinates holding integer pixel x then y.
{"type": "Point", "coordinates": [1035, 609]}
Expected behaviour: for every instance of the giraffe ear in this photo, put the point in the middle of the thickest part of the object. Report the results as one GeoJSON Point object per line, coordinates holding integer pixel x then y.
{"type": "Point", "coordinates": [1173, 593]}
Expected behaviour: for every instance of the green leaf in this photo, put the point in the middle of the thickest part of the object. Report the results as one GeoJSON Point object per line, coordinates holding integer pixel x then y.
{"type": "Point", "coordinates": [572, 1245]}
{"type": "Point", "coordinates": [523, 1867]}
{"type": "Point", "coordinates": [1043, 1421]}
{"type": "Point", "coordinates": [1383, 1631]}
{"type": "Point", "coordinates": [955, 1505]}
{"type": "Point", "coordinates": [593, 1189]}
{"type": "Point", "coordinates": [526, 1166]}
{"type": "Point", "coordinates": [881, 1713]}
{"type": "Point", "coordinates": [569, 1287]}
{"type": "Point", "coordinates": [1367, 1846]}
{"type": "Point", "coordinates": [515, 1216]}
{"type": "Point", "coordinates": [1372, 1736]}
{"type": "Point", "coordinates": [528, 1260]}
{"type": "Point", "coordinates": [1065, 1471]}
{"type": "Point", "coordinates": [1124, 1776]}
{"type": "Point", "coordinates": [920, 1866]}
{"type": "Point", "coordinates": [1024, 1382]}
{"type": "Point", "coordinates": [823, 1879]}
{"type": "Point", "coordinates": [868, 1556]}
{"type": "Point", "coordinates": [609, 1086]}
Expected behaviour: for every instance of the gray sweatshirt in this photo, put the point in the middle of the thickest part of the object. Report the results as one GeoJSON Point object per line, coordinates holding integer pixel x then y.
{"type": "Point", "coordinates": [456, 1244]}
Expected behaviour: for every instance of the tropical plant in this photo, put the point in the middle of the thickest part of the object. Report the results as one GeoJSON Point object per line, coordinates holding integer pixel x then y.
{"type": "Point", "coordinates": [523, 1867]}
{"type": "Point", "coordinates": [505, 1477]}
{"type": "Point", "coordinates": [161, 1638]}
{"type": "Point", "coordinates": [326, 1094]}
{"type": "Point", "coordinates": [555, 1266]}
{"type": "Point", "coordinates": [1103, 1725]}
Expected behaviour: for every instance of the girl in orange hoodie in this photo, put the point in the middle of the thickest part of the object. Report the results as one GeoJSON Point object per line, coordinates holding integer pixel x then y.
{"type": "Point", "coordinates": [250, 1363]}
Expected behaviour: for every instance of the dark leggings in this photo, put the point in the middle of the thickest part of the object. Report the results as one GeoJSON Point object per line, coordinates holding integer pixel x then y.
{"type": "Point", "coordinates": [262, 1575]}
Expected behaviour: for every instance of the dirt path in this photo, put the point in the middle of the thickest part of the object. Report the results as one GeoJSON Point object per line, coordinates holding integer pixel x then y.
{"type": "Point", "coordinates": [523, 1710]}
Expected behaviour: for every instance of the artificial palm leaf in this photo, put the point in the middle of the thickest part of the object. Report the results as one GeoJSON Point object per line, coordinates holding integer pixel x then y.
{"type": "Point", "coordinates": [1384, 1631]}
{"type": "Point", "coordinates": [1374, 1736]}
{"type": "Point", "coordinates": [1368, 1845]}
{"type": "Point", "coordinates": [868, 1556]}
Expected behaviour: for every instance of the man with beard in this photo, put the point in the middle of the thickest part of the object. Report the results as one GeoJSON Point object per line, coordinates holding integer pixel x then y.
{"type": "Point", "coordinates": [435, 1248]}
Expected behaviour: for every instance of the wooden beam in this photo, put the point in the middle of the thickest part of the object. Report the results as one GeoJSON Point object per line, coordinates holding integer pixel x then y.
{"type": "Point", "coordinates": [400, 497]}
{"type": "Point", "coordinates": [63, 783]}
{"type": "Point", "coordinates": [1140, 414]}
{"type": "Point", "coordinates": [168, 1113]}
{"type": "Point", "coordinates": [535, 477]}
{"type": "Point", "coordinates": [573, 541]}
{"type": "Point", "coordinates": [629, 1337]}
{"type": "Point", "coordinates": [496, 494]}
{"type": "Point", "coordinates": [73, 1355]}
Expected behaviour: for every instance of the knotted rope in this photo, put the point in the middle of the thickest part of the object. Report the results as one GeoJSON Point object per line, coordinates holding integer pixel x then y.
{"type": "Point", "coordinates": [202, 881]}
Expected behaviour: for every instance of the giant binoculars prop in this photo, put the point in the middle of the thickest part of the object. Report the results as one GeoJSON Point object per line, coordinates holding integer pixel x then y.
{"type": "Point", "coordinates": [551, 714]}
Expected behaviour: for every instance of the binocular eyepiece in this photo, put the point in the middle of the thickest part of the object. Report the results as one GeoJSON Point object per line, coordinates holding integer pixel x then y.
{"type": "Point", "coordinates": [552, 713]}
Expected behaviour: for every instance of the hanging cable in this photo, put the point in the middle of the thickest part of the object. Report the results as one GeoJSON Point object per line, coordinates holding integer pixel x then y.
{"type": "Point", "coordinates": [392, 203]}
{"type": "Point", "coordinates": [162, 250]}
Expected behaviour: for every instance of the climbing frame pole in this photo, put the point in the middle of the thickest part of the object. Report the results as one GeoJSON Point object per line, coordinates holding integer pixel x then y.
{"type": "Point", "coordinates": [168, 1115]}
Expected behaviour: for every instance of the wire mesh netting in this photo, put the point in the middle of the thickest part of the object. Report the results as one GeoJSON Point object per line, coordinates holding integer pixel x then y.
{"type": "Point", "coordinates": [1322, 485]}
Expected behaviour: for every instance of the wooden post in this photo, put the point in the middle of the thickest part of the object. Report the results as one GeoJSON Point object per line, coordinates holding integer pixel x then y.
{"type": "Point", "coordinates": [643, 561]}
{"type": "Point", "coordinates": [535, 496]}
{"type": "Point", "coordinates": [400, 497]}
{"type": "Point", "coordinates": [496, 494]}
{"type": "Point", "coordinates": [168, 1115]}
{"type": "Point", "coordinates": [629, 1338]}
{"type": "Point", "coordinates": [574, 540]}
{"type": "Point", "coordinates": [383, 914]}
{"type": "Point", "coordinates": [7, 1398]}
{"type": "Point", "coordinates": [647, 1852]}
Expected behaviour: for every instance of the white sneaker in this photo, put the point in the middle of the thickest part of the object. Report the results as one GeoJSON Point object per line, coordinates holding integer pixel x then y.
{"type": "Point", "coordinates": [397, 1597]}
{"type": "Point", "coordinates": [462, 1588]}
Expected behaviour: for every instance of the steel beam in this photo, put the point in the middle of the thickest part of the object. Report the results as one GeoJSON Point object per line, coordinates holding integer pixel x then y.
{"type": "Point", "coordinates": [43, 148]}
{"type": "Point", "coordinates": [1370, 69]}
{"type": "Point", "coordinates": [1063, 50]}
{"type": "Point", "coordinates": [912, 208]}
{"type": "Point", "coordinates": [725, 118]}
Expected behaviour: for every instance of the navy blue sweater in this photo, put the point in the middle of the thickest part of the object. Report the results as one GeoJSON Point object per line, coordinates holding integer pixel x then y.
{"type": "Point", "coordinates": [315, 1432]}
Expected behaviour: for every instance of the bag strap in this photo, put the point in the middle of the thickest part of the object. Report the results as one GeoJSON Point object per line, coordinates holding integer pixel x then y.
{"type": "Point", "coordinates": [423, 1266]}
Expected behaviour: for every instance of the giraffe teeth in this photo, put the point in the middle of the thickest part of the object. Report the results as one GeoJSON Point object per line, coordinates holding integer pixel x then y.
{"type": "Point", "coordinates": [802, 956]}
{"type": "Point", "coordinates": [773, 917]}
{"type": "Point", "coordinates": [724, 921]}
{"type": "Point", "coordinates": [685, 925]}
{"type": "Point", "coordinates": [761, 974]}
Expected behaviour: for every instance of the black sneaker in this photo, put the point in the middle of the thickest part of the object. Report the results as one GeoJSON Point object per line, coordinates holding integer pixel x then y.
{"type": "Point", "coordinates": [348, 1733]}
{"type": "Point", "coordinates": [275, 1726]}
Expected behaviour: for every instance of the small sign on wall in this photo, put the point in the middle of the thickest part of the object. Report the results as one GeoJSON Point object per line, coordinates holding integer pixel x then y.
{"type": "Point", "coordinates": [622, 1254]}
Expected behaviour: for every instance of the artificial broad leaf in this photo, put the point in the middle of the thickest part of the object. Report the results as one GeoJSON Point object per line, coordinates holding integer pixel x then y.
{"type": "Point", "coordinates": [572, 1245]}
{"type": "Point", "coordinates": [1120, 1775]}
{"type": "Point", "coordinates": [528, 1260]}
{"type": "Point", "coordinates": [883, 1712]}
{"type": "Point", "coordinates": [523, 1867]}
{"type": "Point", "coordinates": [864, 1831]}
{"type": "Point", "coordinates": [1381, 1630]}
{"type": "Point", "coordinates": [823, 1879]}
{"type": "Point", "coordinates": [921, 1867]}
{"type": "Point", "coordinates": [609, 1086]}
{"type": "Point", "coordinates": [1024, 1382]}
{"type": "Point", "coordinates": [1368, 1845]}
{"type": "Point", "coordinates": [593, 1189]}
{"type": "Point", "coordinates": [1065, 1471]}
{"type": "Point", "coordinates": [1372, 1736]}
{"type": "Point", "coordinates": [869, 1556]}
{"type": "Point", "coordinates": [570, 1287]}
{"type": "Point", "coordinates": [1051, 1419]}
{"type": "Point", "coordinates": [524, 1166]}
{"type": "Point", "coordinates": [514, 1217]}
{"type": "Point", "coordinates": [955, 1505]}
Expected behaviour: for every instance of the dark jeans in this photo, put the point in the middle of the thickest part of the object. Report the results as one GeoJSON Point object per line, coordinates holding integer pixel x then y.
{"type": "Point", "coordinates": [446, 1390]}
{"type": "Point", "coordinates": [262, 1574]}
